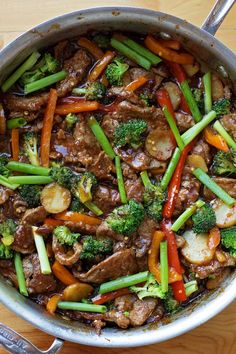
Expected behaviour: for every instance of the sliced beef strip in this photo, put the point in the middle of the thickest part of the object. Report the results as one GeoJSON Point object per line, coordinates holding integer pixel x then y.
{"type": "Point", "coordinates": [119, 264]}
{"type": "Point", "coordinates": [102, 166]}
{"type": "Point", "coordinates": [137, 159]}
{"type": "Point", "coordinates": [104, 229]}
{"type": "Point", "coordinates": [23, 240]}
{"type": "Point", "coordinates": [229, 123]}
{"type": "Point", "coordinates": [34, 216]}
{"type": "Point", "coordinates": [29, 116]}
{"type": "Point", "coordinates": [63, 50]}
{"type": "Point", "coordinates": [64, 255]}
{"type": "Point", "coordinates": [29, 104]}
{"type": "Point", "coordinates": [81, 227]}
{"type": "Point", "coordinates": [134, 189]}
{"type": "Point", "coordinates": [36, 281]}
{"type": "Point", "coordinates": [203, 149]}
{"type": "Point", "coordinates": [109, 124]}
{"type": "Point", "coordinates": [188, 194]}
{"type": "Point", "coordinates": [5, 194]}
{"type": "Point", "coordinates": [144, 238]}
{"type": "Point", "coordinates": [128, 171]}
{"type": "Point", "coordinates": [7, 270]}
{"type": "Point", "coordinates": [228, 184]}
{"type": "Point", "coordinates": [141, 310]}
{"type": "Point", "coordinates": [184, 121]}
{"type": "Point", "coordinates": [76, 67]}
{"type": "Point", "coordinates": [122, 93]}
{"type": "Point", "coordinates": [106, 198]}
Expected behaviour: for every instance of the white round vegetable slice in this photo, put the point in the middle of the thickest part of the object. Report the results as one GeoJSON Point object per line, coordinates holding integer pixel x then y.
{"type": "Point", "coordinates": [225, 215]}
{"type": "Point", "coordinates": [217, 88]}
{"type": "Point", "coordinates": [196, 248]}
{"type": "Point", "coordinates": [159, 144]}
{"type": "Point", "coordinates": [55, 198]}
{"type": "Point", "coordinates": [174, 93]}
{"type": "Point", "coordinates": [191, 69]}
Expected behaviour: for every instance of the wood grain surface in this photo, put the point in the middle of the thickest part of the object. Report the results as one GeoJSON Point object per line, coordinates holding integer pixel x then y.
{"type": "Point", "coordinates": [217, 336]}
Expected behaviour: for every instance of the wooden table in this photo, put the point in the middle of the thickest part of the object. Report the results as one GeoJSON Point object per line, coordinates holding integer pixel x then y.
{"type": "Point", "coordinates": [217, 335]}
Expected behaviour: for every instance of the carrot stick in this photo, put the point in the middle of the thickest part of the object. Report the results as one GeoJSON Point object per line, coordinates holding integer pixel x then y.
{"type": "Point", "coordinates": [166, 53]}
{"type": "Point", "coordinates": [77, 217]}
{"type": "Point", "coordinates": [76, 107]}
{"type": "Point", "coordinates": [47, 127]}
{"type": "Point", "coordinates": [134, 85]}
{"type": "Point", "coordinates": [63, 274]}
{"type": "Point", "coordinates": [104, 80]}
{"type": "Point", "coordinates": [15, 144]}
{"type": "Point", "coordinates": [101, 66]}
{"type": "Point", "coordinates": [91, 47]}
{"type": "Point", "coordinates": [170, 43]}
{"type": "Point", "coordinates": [52, 222]}
{"type": "Point", "coordinates": [52, 303]}
{"type": "Point", "coordinates": [215, 140]}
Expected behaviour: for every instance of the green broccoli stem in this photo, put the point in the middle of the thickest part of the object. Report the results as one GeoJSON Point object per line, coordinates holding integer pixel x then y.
{"type": "Point", "coordinates": [191, 101]}
{"type": "Point", "coordinates": [170, 169]}
{"type": "Point", "coordinates": [154, 59]}
{"type": "Point", "coordinates": [81, 306]}
{"type": "Point", "coordinates": [5, 182]}
{"type": "Point", "coordinates": [123, 282]}
{"type": "Point", "coordinates": [191, 287]}
{"type": "Point", "coordinates": [27, 65]}
{"type": "Point", "coordinates": [192, 132]}
{"type": "Point", "coordinates": [42, 252]}
{"type": "Point", "coordinates": [79, 91]}
{"type": "Point", "coordinates": [101, 137]}
{"type": "Point", "coordinates": [186, 215]}
{"type": "Point", "coordinates": [16, 123]}
{"type": "Point", "coordinates": [120, 180]}
{"type": "Point", "coordinates": [30, 179]}
{"type": "Point", "coordinates": [130, 53]}
{"type": "Point", "coordinates": [212, 186]}
{"type": "Point", "coordinates": [173, 127]}
{"type": "Point", "coordinates": [207, 94]}
{"type": "Point", "coordinates": [145, 179]}
{"type": "Point", "coordinates": [20, 274]}
{"type": "Point", "coordinates": [93, 207]}
{"type": "Point", "coordinates": [164, 266]}
{"type": "Point", "coordinates": [221, 130]}
{"type": "Point", "coordinates": [45, 82]}
{"type": "Point", "coordinates": [27, 168]}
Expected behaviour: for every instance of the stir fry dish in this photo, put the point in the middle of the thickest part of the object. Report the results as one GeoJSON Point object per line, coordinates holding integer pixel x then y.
{"type": "Point", "coordinates": [117, 179]}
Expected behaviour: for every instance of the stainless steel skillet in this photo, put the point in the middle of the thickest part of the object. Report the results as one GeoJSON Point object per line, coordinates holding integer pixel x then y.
{"type": "Point", "coordinates": [211, 52]}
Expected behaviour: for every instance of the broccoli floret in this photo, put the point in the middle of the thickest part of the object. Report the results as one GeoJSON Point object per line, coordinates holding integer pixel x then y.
{"type": "Point", "coordinates": [150, 289]}
{"type": "Point", "coordinates": [228, 239]}
{"type": "Point", "coordinates": [199, 98]}
{"type": "Point", "coordinates": [204, 219]}
{"type": "Point", "coordinates": [47, 65]}
{"type": "Point", "coordinates": [92, 91]}
{"type": "Point", "coordinates": [170, 304]}
{"type": "Point", "coordinates": [93, 248]}
{"type": "Point", "coordinates": [224, 163]}
{"type": "Point", "coordinates": [30, 147]}
{"type": "Point", "coordinates": [7, 231]}
{"type": "Point", "coordinates": [221, 107]}
{"type": "Point", "coordinates": [146, 99]}
{"type": "Point", "coordinates": [76, 205]}
{"type": "Point", "coordinates": [31, 194]}
{"type": "Point", "coordinates": [63, 176]}
{"type": "Point", "coordinates": [3, 169]}
{"type": "Point", "coordinates": [5, 252]}
{"type": "Point", "coordinates": [70, 120]}
{"type": "Point", "coordinates": [126, 218]}
{"type": "Point", "coordinates": [82, 186]}
{"type": "Point", "coordinates": [65, 236]}
{"type": "Point", "coordinates": [130, 133]}
{"type": "Point", "coordinates": [153, 199]}
{"type": "Point", "coordinates": [115, 71]}
{"type": "Point", "coordinates": [102, 40]}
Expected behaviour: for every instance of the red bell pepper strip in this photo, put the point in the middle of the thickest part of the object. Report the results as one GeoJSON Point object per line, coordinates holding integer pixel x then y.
{"type": "Point", "coordinates": [175, 183]}
{"type": "Point", "coordinates": [103, 298]}
{"type": "Point", "coordinates": [184, 106]}
{"type": "Point", "coordinates": [179, 290]}
{"type": "Point", "coordinates": [163, 100]}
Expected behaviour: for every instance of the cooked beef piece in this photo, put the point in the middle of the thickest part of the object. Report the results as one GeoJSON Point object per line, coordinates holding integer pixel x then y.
{"type": "Point", "coordinates": [36, 281]}
{"type": "Point", "coordinates": [137, 159]}
{"type": "Point", "coordinates": [29, 116]}
{"type": "Point", "coordinates": [134, 189]}
{"type": "Point", "coordinates": [228, 184]}
{"type": "Point", "coordinates": [122, 93]}
{"type": "Point", "coordinates": [34, 216]}
{"type": "Point", "coordinates": [216, 281]}
{"type": "Point", "coordinates": [117, 317]}
{"type": "Point", "coordinates": [65, 149]}
{"type": "Point", "coordinates": [7, 270]}
{"type": "Point", "coordinates": [128, 171]}
{"type": "Point", "coordinates": [125, 302]}
{"type": "Point", "coordinates": [23, 240]}
{"type": "Point", "coordinates": [229, 122]}
{"type": "Point", "coordinates": [63, 50]}
{"type": "Point", "coordinates": [105, 229]}
{"type": "Point", "coordinates": [188, 194]}
{"type": "Point", "coordinates": [119, 264]}
{"type": "Point", "coordinates": [109, 124]}
{"type": "Point", "coordinates": [203, 149]}
{"type": "Point", "coordinates": [76, 67]}
{"type": "Point", "coordinates": [29, 104]}
{"type": "Point", "coordinates": [184, 121]}
{"type": "Point", "coordinates": [141, 310]}
{"type": "Point", "coordinates": [45, 230]}
{"type": "Point", "coordinates": [144, 238]}
{"type": "Point", "coordinates": [19, 205]}
{"type": "Point", "coordinates": [157, 314]}
{"type": "Point", "coordinates": [81, 227]}
{"type": "Point", "coordinates": [106, 198]}
{"type": "Point", "coordinates": [214, 267]}
{"type": "Point", "coordinates": [180, 241]}
{"type": "Point", "coordinates": [102, 166]}
{"type": "Point", "coordinates": [66, 255]}
{"type": "Point", "coordinates": [5, 194]}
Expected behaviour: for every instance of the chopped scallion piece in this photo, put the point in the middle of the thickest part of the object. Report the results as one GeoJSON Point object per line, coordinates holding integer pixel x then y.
{"type": "Point", "coordinates": [186, 215]}
{"type": "Point", "coordinates": [42, 252]}
{"type": "Point", "coordinates": [221, 130]}
{"type": "Point", "coordinates": [123, 282]}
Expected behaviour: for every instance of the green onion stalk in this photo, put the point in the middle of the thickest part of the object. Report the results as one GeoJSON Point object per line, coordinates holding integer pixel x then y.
{"type": "Point", "coordinates": [221, 130]}
{"type": "Point", "coordinates": [42, 252]}
{"type": "Point", "coordinates": [16, 123]}
{"type": "Point", "coordinates": [170, 169]}
{"type": "Point", "coordinates": [120, 181]}
{"type": "Point", "coordinates": [207, 92]}
{"type": "Point", "coordinates": [173, 127]}
{"type": "Point", "coordinates": [30, 179]}
{"type": "Point", "coordinates": [164, 266]}
{"type": "Point", "coordinates": [154, 59]}
{"type": "Point", "coordinates": [191, 101]}
{"type": "Point", "coordinates": [45, 82]}
{"type": "Point", "coordinates": [123, 282]}
{"type": "Point", "coordinates": [186, 215]}
{"type": "Point", "coordinates": [80, 306]}
{"type": "Point", "coordinates": [5, 182]}
{"type": "Point", "coordinates": [28, 168]}
{"type": "Point", "coordinates": [20, 274]}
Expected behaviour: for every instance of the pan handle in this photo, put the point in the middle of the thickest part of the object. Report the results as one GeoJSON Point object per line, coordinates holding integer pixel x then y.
{"type": "Point", "coordinates": [217, 15]}
{"type": "Point", "coordinates": [16, 344]}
